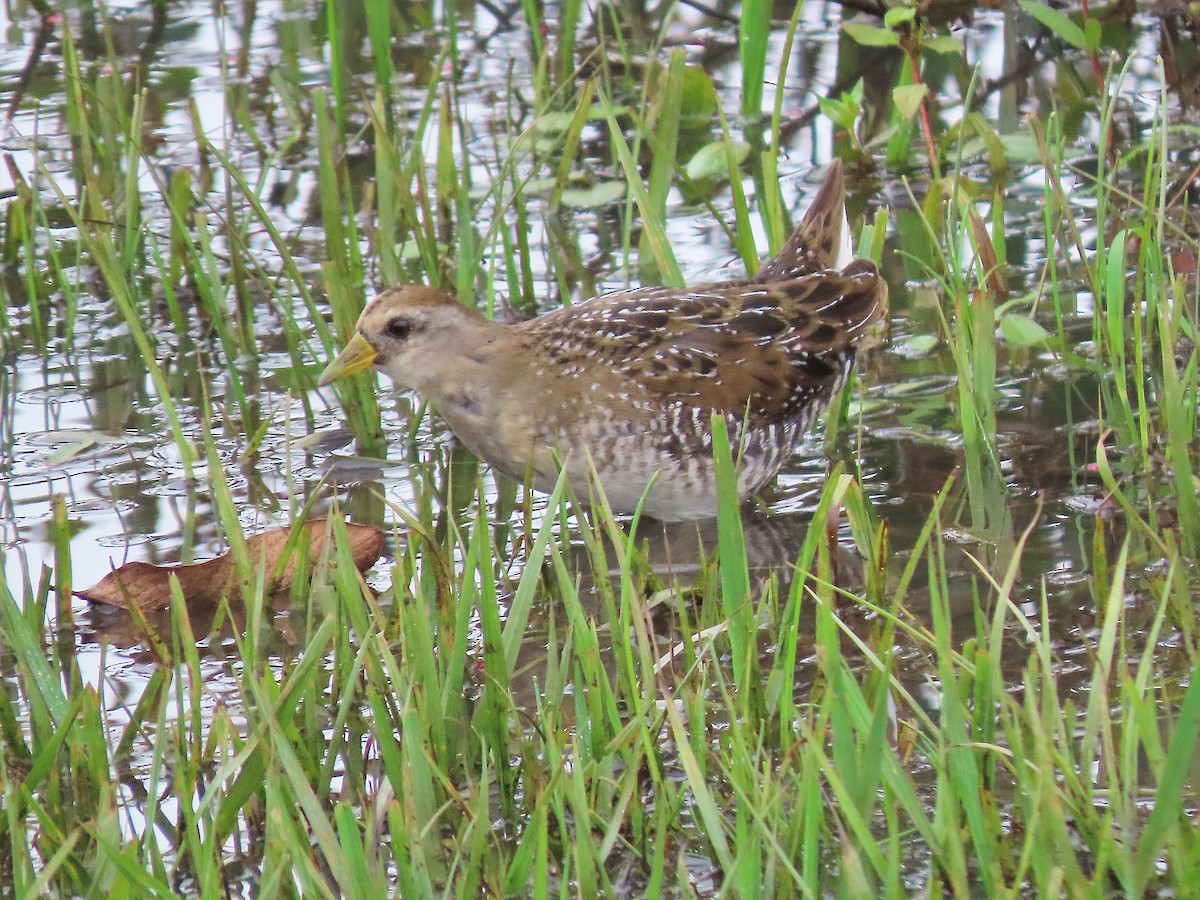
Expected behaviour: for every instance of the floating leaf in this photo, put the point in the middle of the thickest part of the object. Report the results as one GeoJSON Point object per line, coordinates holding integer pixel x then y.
{"type": "Point", "coordinates": [69, 452]}
{"type": "Point", "coordinates": [70, 436]}
{"type": "Point", "coordinates": [1023, 148]}
{"type": "Point", "coordinates": [710, 160]}
{"type": "Point", "coordinates": [325, 441]}
{"type": "Point", "coordinates": [148, 587]}
{"type": "Point", "coordinates": [1022, 331]}
{"type": "Point", "coordinates": [596, 195]}
{"type": "Point", "coordinates": [697, 95]}
{"type": "Point", "coordinates": [918, 344]}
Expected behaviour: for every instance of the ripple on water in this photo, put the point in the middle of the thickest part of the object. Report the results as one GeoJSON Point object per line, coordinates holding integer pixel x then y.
{"type": "Point", "coordinates": [123, 539]}
{"type": "Point", "coordinates": [60, 392]}
{"type": "Point", "coordinates": [100, 506]}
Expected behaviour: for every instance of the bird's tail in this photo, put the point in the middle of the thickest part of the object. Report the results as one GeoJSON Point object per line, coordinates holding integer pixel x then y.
{"type": "Point", "coordinates": [822, 240]}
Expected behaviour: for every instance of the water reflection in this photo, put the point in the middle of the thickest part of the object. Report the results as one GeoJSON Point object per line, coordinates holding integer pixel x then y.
{"type": "Point", "coordinates": [93, 380]}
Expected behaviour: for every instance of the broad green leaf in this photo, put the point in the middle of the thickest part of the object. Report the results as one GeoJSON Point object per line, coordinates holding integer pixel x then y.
{"type": "Point", "coordinates": [1056, 22]}
{"type": "Point", "coordinates": [699, 98]}
{"type": "Point", "coordinates": [870, 36]}
{"type": "Point", "coordinates": [918, 344]}
{"type": "Point", "coordinates": [943, 43]}
{"type": "Point", "coordinates": [1022, 147]}
{"type": "Point", "coordinates": [1022, 331]}
{"type": "Point", "coordinates": [710, 160]}
{"type": "Point", "coordinates": [908, 97]}
{"type": "Point", "coordinates": [553, 122]}
{"type": "Point", "coordinates": [600, 194]}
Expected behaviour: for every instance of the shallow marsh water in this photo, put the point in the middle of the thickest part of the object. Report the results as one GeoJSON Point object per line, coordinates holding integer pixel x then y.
{"type": "Point", "coordinates": [81, 419]}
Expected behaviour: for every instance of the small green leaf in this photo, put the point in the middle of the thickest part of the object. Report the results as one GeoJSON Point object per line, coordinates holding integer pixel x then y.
{"type": "Point", "coordinates": [1021, 148]}
{"type": "Point", "coordinates": [1022, 331]}
{"type": "Point", "coordinates": [898, 15]}
{"type": "Point", "coordinates": [1058, 23]}
{"type": "Point", "coordinates": [710, 161]}
{"type": "Point", "coordinates": [697, 94]}
{"type": "Point", "coordinates": [841, 114]}
{"type": "Point", "coordinates": [843, 111]}
{"type": "Point", "coordinates": [870, 36]}
{"type": "Point", "coordinates": [943, 43]}
{"type": "Point", "coordinates": [919, 344]}
{"type": "Point", "coordinates": [69, 452]}
{"type": "Point", "coordinates": [553, 122]}
{"type": "Point", "coordinates": [699, 98]}
{"type": "Point", "coordinates": [907, 98]}
{"type": "Point", "coordinates": [600, 194]}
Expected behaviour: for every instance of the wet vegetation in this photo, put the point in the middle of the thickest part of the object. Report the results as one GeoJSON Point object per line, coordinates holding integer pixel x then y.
{"type": "Point", "coordinates": [953, 654]}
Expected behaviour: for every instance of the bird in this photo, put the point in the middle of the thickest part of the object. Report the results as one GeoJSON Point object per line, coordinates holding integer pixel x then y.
{"type": "Point", "coordinates": [623, 388]}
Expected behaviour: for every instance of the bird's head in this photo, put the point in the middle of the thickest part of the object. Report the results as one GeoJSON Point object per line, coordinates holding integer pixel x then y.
{"type": "Point", "coordinates": [399, 330]}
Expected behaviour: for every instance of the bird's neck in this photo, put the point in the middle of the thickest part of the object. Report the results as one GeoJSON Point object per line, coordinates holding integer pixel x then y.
{"type": "Point", "coordinates": [459, 376]}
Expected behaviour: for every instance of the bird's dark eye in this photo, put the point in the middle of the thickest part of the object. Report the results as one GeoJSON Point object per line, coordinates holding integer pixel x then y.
{"type": "Point", "coordinates": [399, 328]}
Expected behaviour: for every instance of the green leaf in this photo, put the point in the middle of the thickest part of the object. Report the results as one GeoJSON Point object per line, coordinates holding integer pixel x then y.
{"type": "Point", "coordinates": [870, 36]}
{"type": "Point", "coordinates": [843, 111]}
{"type": "Point", "coordinates": [1058, 23]}
{"type": "Point", "coordinates": [837, 113]}
{"type": "Point", "coordinates": [699, 98]}
{"type": "Point", "coordinates": [553, 122]}
{"type": "Point", "coordinates": [696, 100]}
{"type": "Point", "coordinates": [1022, 331]}
{"type": "Point", "coordinates": [919, 344]}
{"type": "Point", "coordinates": [601, 194]}
{"type": "Point", "coordinates": [943, 43]}
{"type": "Point", "coordinates": [710, 160]}
{"type": "Point", "coordinates": [898, 15]}
{"type": "Point", "coordinates": [1021, 148]}
{"type": "Point", "coordinates": [907, 98]}
{"type": "Point", "coordinates": [69, 452]}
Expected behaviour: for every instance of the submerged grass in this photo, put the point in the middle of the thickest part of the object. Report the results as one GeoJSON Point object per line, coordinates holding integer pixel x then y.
{"type": "Point", "coordinates": [534, 709]}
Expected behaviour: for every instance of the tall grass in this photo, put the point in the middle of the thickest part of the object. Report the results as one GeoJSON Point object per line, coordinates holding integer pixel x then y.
{"type": "Point", "coordinates": [818, 788]}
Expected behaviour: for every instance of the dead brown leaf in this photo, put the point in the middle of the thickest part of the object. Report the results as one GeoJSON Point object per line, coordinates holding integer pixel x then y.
{"type": "Point", "coordinates": [149, 587]}
{"type": "Point", "coordinates": [989, 263]}
{"type": "Point", "coordinates": [1184, 261]}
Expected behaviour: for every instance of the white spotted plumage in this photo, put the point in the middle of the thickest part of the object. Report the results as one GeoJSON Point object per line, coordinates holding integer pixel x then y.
{"type": "Point", "coordinates": [626, 384]}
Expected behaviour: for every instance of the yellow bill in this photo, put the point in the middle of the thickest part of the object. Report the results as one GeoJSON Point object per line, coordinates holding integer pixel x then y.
{"type": "Point", "coordinates": [358, 355]}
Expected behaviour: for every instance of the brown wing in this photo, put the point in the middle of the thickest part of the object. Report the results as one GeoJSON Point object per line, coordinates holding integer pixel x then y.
{"type": "Point", "coordinates": [776, 348]}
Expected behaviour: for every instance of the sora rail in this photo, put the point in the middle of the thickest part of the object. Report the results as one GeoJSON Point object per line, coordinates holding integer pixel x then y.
{"type": "Point", "coordinates": [628, 382]}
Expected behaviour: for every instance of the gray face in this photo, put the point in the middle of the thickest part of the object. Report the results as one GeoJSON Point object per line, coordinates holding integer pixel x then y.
{"type": "Point", "coordinates": [416, 332]}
